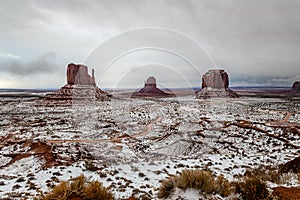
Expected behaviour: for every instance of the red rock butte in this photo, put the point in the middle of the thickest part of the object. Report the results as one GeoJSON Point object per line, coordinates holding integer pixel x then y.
{"type": "Point", "coordinates": [78, 75]}
{"type": "Point", "coordinates": [80, 86]}
{"type": "Point", "coordinates": [150, 90]}
{"type": "Point", "coordinates": [215, 83]}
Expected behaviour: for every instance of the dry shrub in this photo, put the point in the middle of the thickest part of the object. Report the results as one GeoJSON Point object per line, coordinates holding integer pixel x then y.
{"type": "Point", "coordinates": [89, 166]}
{"type": "Point", "coordinates": [252, 188]}
{"type": "Point", "coordinates": [287, 178]}
{"type": "Point", "coordinates": [197, 179]}
{"type": "Point", "coordinates": [166, 188]}
{"type": "Point", "coordinates": [222, 186]}
{"type": "Point", "coordinates": [78, 183]}
{"type": "Point", "coordinates": [95, 190]}
{"type": "Point", "coordinates": [79, 187]}
{"type": "Point", "coordinates": [272, 174]}
{"type": "Point", "coordinates": [265, 173]}
{"type": "Point", "coordinates": [61, 191]}
{"type": "Point", "coordinates": [201, 180]}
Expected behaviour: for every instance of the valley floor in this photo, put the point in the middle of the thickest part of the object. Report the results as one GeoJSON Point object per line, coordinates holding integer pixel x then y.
{"type": "Point", "coordinates": [130, 145]}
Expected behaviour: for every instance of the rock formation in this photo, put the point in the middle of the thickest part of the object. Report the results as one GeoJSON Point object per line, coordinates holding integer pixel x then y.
{"type": "Point", "coordinates": [215, 83]}
{"type": "Point", "coordinates": [78, 75]}
{"type": "Point", "coordinates": [150, 90]}
{"type": "Point", "coordinates": [80, 86]}
{"type": "Point", "coordinates": [296, 86]}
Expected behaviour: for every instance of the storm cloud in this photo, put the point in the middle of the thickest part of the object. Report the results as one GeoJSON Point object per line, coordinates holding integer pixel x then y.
{"type": "Point", "coordinates": [41, 64]}
{"type": "Point", "coordinates": [257, 42]}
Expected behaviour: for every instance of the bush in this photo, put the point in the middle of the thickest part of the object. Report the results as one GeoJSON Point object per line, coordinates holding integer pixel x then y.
{"type": "Point", "coordinates": [79, 187]}
{"type": "Point", "coordinates": [201, 180]}
{"type": "Point", "coordinates": [166, 188]}
{"type": "Point", "coordinates": [265, 173]}
{"type": "Point", "coordinates": [252, 188]}
{"type": "Point", "coordinates": [89, 166]}
{"type": "Point", "coordinates": [95, 190]}
{"type": "Point", "coordinates": [197, 179]}
{"type": "Point", "coordinates": [287, 178]}
{"type": "Point", "coordinates": [222, 186]}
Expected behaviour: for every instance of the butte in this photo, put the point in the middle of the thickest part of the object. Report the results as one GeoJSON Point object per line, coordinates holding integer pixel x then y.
{"type": "Point", "coordinates": [296, 86]}
{"type": "Point", "coordinates": [215, 84]}
{"type": "Point", "coordinates": [80, 86]}
{"type": "Point", "coordinates": [150, 90]}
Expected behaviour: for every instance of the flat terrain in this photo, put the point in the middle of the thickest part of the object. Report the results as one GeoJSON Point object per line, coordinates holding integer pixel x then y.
{"type": "Point", "coordinates": [131, 144]}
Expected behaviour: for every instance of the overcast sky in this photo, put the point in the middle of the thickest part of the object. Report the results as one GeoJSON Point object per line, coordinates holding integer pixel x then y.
{"type": "Point", "coordinates": [257, 42]}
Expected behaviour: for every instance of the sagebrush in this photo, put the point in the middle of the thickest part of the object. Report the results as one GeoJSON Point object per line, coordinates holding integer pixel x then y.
{"type": "Point", "coordinates": [80, 188]}
{"type": "Point", "coordinates": [201, 180]}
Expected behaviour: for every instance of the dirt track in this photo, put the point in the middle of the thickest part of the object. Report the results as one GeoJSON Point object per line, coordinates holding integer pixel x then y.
{"type": "Point", "coordinates": [284, 120]}
{"type": "Point", "coordinates": [149, 128]}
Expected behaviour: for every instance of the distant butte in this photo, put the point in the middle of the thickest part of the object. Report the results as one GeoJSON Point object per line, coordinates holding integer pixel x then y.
{"type": "Point", "coordinates": [80, 86]}
{"type": "Point", "coordinates": [215, 83]}
{"type": "Point", "coordinates": [150, 90]}
{"type": "Point", "coordinates": [296, 86]}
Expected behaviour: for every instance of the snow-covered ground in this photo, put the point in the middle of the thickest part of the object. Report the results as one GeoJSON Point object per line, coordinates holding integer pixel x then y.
{"type": "Point", "coordinates": [134, 143]}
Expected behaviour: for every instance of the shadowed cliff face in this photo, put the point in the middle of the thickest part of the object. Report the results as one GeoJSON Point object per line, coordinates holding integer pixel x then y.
{"type": "Point", "coordinates": [215, 83]}
{"type": "Point", "coordinates": [296, 86]}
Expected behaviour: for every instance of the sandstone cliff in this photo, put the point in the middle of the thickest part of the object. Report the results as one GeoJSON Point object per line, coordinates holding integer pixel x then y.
{"type": "Point", "coordinates": [215, 83]}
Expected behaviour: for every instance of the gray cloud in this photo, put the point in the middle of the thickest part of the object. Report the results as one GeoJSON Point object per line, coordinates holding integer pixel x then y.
{"type": "Point", "coordinates": [249, 38]}
{"type": "Point", "coordinates": [21, 67]}
{"type": "Point", "coordinates": [41, 64]}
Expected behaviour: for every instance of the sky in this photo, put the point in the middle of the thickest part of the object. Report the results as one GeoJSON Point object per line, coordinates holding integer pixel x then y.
{"type": "Point", "coordinates": [256, 42]}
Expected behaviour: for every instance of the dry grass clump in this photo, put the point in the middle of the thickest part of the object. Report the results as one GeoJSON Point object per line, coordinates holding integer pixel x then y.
{"type": "Point", "coordinates": [253, 188]}
{"type": "Point", "coordinates": [201, 180]}
{"type": "Point", "coordinates": [272, 174]}
{"type": "Point", "coordinates": [265, 173]}
{"type": "Point", "coordinates": [166, 188]}
{"type": "Point", "coordinates": [223, 187]}
{"type": "Point", "coordinates": [80, 188]}
{"type": "Point", "coordinates": [89, 166]}
{"type": "Point", "coordinates": [196, 179]}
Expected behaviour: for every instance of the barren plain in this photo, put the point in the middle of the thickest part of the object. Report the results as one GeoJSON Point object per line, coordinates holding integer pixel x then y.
{"type": "Point", "coordinates": [130, 145]}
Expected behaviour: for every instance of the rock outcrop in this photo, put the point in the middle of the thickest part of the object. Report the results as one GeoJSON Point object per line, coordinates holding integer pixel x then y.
{"type": "Point", "coordinates": [296, 86]}
{"type": "Point", "coordinates": [150, 90]}
{"type": "Point", "coordinates": [215, 83]}
{"type": "Point", "coordinates": [78, 75]}
{"type": "Point", "coordinates": [80, 86]}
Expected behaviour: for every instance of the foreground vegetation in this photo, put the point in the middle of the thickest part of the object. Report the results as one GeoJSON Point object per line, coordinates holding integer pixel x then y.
{"type": "Point", "coordinates": [79, 188]}
{"type": "Point", "coordinates": [251, 186]}
{"type": "Point", "coordinates": [201, 180]}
